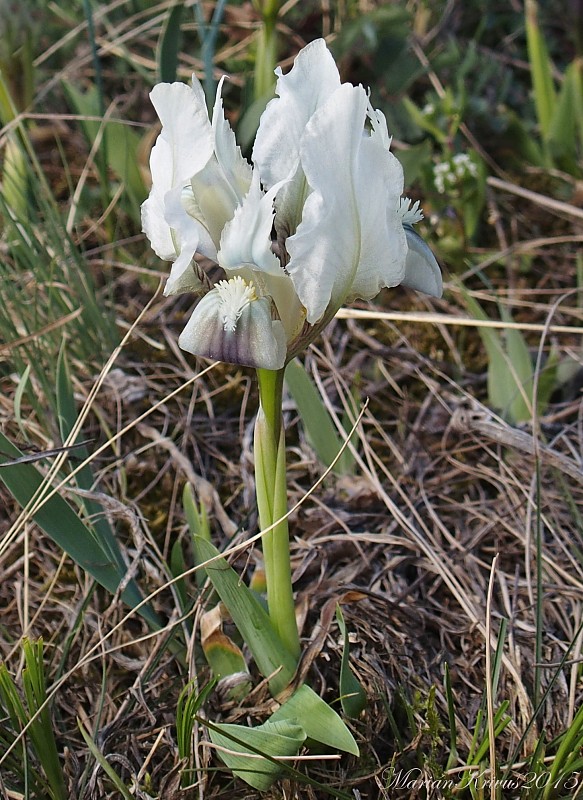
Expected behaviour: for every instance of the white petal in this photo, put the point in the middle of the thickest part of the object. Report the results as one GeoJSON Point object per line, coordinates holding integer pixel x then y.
{"type": "Point", "coordinates": [186, 236]}
{"type": "Point", "coordinates": [311, 81]}
{"type": "Point", "coordinates": [325, 250]}
{"type": "Point", "coordinates": [216, 199]}
{"type": "Point", "coordinates": [236, 169]}
{"type": "Point", "coordinates": [230, 324]}
{"type": "Point", "coordinates": [246, 239]}
{"type": "Point", "coordinates": [379, 183]}
{"type": "Point", "coordinates": [220, 185]}
{"type": "Point", "coordinates": [154, 224]}
{"type": "Point", "coordinates": [421, 269]}
{"type": "Point", "coordinates": [378, 124]}
{"type": "Point", "coordinates": [282, 291]}
{"type": "Point", "coordinates": [186, 128]}
{"type": "Point", "coordinates": [182, 148]}
{"type": "Point", "coordinates": [351, 241]}
{"type": "Point", "coordinates": [190, 206]}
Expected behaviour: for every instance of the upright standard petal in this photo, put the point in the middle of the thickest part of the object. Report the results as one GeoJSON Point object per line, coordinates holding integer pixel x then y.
{"type": "Point", "coordinates": [236, 169]}
{"type": "Point", "coordinates": [232, 324]}
{"type": "Point", "coordinates": [246, 239]}
{"type": "Point", "coordinates": [185, 126]}
{"type": "Point", "coordinates": [351, 241]}
{"type": "Point", "coordinates": [219, 187]}
{"type": "Point", "coordinates": [307, 86]}
{"type": "Point", "coordinates": [379, 184]}
{"type": "Point", "coordinates": [325, 250]}
{"type": "Point", "coordinates": [182, 111]}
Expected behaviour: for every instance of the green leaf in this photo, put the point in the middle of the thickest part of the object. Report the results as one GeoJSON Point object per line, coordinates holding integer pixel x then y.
{"type": "Point", "coordinates": [250, 618]}
{"type": "Point", "coordinates": [320, 722]}
{"type": "Point", "coordinates": [320, 429]}
{"type": "Point", "coordinates": [451, 716]}
{"type": "Point", "coordinates": [423, 121]}
{"type": "Point", "coordinates": [105, 765]}
{"type": "Point", "coordinates": [510, 371]}
{"type": "Point", "coordinates": [18, 395]}
{"type": "Point", "coordinates": [523, 144]}
{"type": "Point", "coordinates": [169, 44]}
{"type": "Point", "coordinates": [196, 515]}
{"type": "Point", "coordinates": [541, 69]}
{"type": "Point", "coordinates": [352, 695]}
{"type": "Point", "coordinates": [274, 739]}
{"type": "Point", "coordinates": [67, 414]}
{"type": "Point", "coordinates": [566, 759]}
{"type": "Point", "coordinates": [566, 129]}
{"type": "Point", "coordinates": [123, 145]}
{"type": "Point", "coordinates": [519, 365]}
{"type": "Point", "coordinates": [120, 141]}
{"type": "Point", "coordinates": [178, 567]}
{"type": "Point", "coordinates": [15, 177]}
{"type": "Point", "coordinates": [41, 731]}
{"type": "Point", "coordinates": [187, 707]}
{"type": "Point", "coordinates": [198, 522]}
{"type": "Point", "coordinates": [500, 391]}
{"type": "Point", "coordinates": [62, 524]}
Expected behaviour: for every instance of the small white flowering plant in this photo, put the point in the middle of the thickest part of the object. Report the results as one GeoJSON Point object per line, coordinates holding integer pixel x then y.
{"type": "Point", "coordinates": [315, 221]}
{"type": "Point", "coordinates": [459, 179]}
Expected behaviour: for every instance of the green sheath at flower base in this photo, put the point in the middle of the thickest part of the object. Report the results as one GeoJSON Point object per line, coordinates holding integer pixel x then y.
{"type": "Point", "coordinates": [271, 491]}
{"type": "Point", "coordinates": [252, 621]}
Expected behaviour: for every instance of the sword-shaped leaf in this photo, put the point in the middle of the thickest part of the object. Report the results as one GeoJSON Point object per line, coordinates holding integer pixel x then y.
{"type": "Point", "coordinates": [320, 722]}
{"type": "Point", "coordinates": [274, 739]}
{"type": "Point", "coordinates": [250, 618]}
{"type": "Point", "coordinates": [62, 524]}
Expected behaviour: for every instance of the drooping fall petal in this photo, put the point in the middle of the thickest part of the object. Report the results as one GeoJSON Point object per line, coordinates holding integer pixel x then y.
{"type": "Point", "coordinates": [232, 324]}
{"type": "Point", "coordinates": [189, 236]}
{"type": "Point", "coordinates": [422, 271]}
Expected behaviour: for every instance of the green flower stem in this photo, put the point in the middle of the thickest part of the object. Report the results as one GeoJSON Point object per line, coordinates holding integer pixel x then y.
{"type": "Point", "coordinates": [266, 53]}
{"type": "Point", "coordinates": [265, 60]}
{"type": "Point", "coordinates": [271, 490]}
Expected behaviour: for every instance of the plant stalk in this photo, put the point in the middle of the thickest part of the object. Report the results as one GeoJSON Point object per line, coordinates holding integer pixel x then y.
{"type": "Point", "coordinates": [266, 53]}
{"type": "Point", "coordinates": [271, 490]}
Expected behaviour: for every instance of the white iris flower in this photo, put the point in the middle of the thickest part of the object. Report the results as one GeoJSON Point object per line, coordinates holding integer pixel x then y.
{"type": "Point", "coordinates": [317, 221]}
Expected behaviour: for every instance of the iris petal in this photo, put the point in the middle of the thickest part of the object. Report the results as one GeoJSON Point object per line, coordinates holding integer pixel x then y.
{"type": "Point", "coordinates": [307, 86]}
{"type": "Point", "coordinates": [231, 324]}
{"type": "Point", "coordinates": [422, 271]}
{"type": "Point", "coordinates": [182, 111]}
{"type": "Point", "coordinates": [350, 242]}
